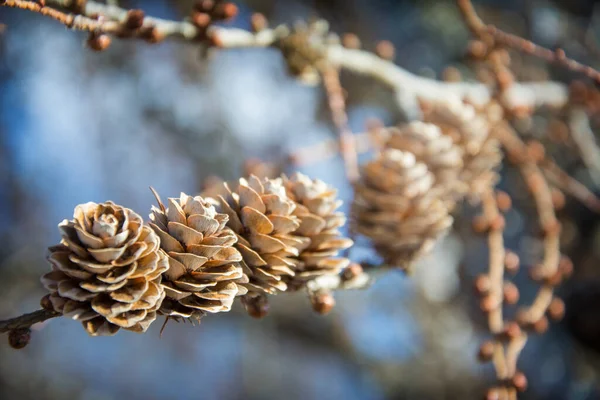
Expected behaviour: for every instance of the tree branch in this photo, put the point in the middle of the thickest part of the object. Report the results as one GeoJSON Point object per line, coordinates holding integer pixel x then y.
{"type": "Point", "coordinates": [27, 320]}
{"type": "Point", "coordinates": [402, 82]}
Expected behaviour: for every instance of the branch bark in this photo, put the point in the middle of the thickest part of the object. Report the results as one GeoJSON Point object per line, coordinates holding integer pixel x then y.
{"type": "Point", "coordinates": [27, 320]}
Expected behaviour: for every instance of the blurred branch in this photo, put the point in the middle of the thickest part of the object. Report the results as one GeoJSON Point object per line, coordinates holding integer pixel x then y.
{"type": "Point", "coordinates": [492, 34]}
{"type": "Point", "coordinates": [530, 95]}
{"type": "Point", "coordinates": [337, 106]}
{"type": "Point", "coordinates": [540, 190]}
{"type": "Point", "coordinates": [583, 136]}
{"type": "Point", "coordinates": [26, 320]}
{"type": "Point", "coordinates": [565, 182]}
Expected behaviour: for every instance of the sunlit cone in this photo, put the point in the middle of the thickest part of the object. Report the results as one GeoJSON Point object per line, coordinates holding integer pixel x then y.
{"type": "Point", "coordinates": [204, 274]}
{"type": "Point", "coordinates": [471, 131]}
{"type": "Point", "coordinates": [316, 209]}
{"type": "Point", "coordinates": [107, 270]}
{"type": "Point", "coordinates": [394, 207]}
{"type": "Point", "coordinates": [443, 158]}
{"type": "Point", "coordinates": [262, 216]}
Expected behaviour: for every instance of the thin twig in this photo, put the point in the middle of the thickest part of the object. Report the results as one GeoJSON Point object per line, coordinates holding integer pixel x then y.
{"type": "Point", "coordinates": [337, 106]}
{"type": "Point", "coordinates": [496, 279]}
{"type": "Point", "coordinates": [26, 320]}
{"type": "Point", "coordinates": [71, 21]}
{"type": "Point", "coordinates": [584, 138]}
{"type": "Point", "coordinates": [557, 56]}
{"type": "Point", "coordinates": [570, 185]}
{"type": "Point", "coordinates": [540, 191]}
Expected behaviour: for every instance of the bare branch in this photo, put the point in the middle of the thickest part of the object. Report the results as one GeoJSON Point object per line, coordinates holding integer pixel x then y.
{"type": "Point", "coordinates": [27, 320]}
{"type": "Point", "coordinates": [402, 82]}
{"type": "Point", "coordinates": [583, 136]}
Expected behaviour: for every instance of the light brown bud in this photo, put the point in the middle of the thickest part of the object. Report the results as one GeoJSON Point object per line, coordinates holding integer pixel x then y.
{"type": "Point", "coordinates": [385, 49]}
{"type": "Point", "coordinates": [486, 351]}
{"type": "Point", "coordinates": [258, 22]}
{"type": "Point", "coordinates": [556, 309]}
{"type": "Point", "coordinates": [322, 302]}
{"type": "Point", "coordinates": [504, 201]}
{"type": "Point", "coordinates": [352, 271]}
{"type": "Point", "coordinates": [510, 292]}
{"type": "Point", "coordinates": [134, 19]}
{"type": "Point", "coordinates": [511, 262]}
{"type": "Point", "coordinates": [519, 381]}
{"type": "Point", "coordinates": [98, 42]}
{"type": "Point", "coordinates": [351, 41]}
{"type": "Point", "coordinates": [256, 307]}
{"type": "Point", "coordinates": [19, 338]}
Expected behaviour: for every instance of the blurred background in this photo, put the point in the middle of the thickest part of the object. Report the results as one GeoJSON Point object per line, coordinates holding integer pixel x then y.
{"type": "Point", "coordinates": [78, 126]}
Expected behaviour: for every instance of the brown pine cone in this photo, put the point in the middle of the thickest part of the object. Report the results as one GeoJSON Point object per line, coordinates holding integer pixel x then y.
{"type": "Point", "coordinates": [443, 158]}
{"type": "Point", "coordinates": [316, 205]}
{"type": "Point", "coordinates": [107, 270]}
{"type": "Point", "coordinates": [261, 215]}
{"type": "Point", "coordinates": [470, 131]}
{"type": "Point", "coordinates": [204, 268]}
{"type": "Point", "coordinates": [393, 206]}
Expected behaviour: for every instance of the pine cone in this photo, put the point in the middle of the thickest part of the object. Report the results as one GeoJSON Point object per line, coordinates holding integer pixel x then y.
{"type": "Point", "coordinates": [316, 204]}
{"type": "Point", "coordinates": [204, 272]}
{"type": "Point", "coordinates": [107, 270]}
{"type": "Point", "coordinates": [470, 130]}
{"type": "Point", "coordinates": [303, 50]}
{"type": "Point", "coordinates": [430, 147]}
{"type": "Point", "coordinates": [261, 215]}
{"type": "Point", "coordinates": [395, 208]}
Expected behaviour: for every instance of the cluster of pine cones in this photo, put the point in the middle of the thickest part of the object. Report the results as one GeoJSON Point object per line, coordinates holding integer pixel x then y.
{"type": "Point", "coordinates": [262, 236]}
{"type": "Point", "coordinates": [196, 255]}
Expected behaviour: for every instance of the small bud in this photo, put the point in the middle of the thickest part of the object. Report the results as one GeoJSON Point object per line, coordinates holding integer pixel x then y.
{"type": "Point", "coordinates": [151, 34]}
{"type": "Point", "coordinates": [511, 262]}
{"type": "Point", "coordinates": [200, 19]}
{"type": "Point", "coordinates": [385, 49]}
{"type": "Point", "coordinates": [352, 271]}
{"type": "Point", "coordinates": [498, 223]}
{"type": "Point", "coordinates": [480, 224]}
{"type": "Point", "coordinates": [322, 302]}
{"type": "Point", "coordinates": [477, 49]}
{"type": "Point", "coordinates": [351, 41]}
{"type": "Point", "coordinates": [134, 19]}
{"type": "Point", "coordinates": [519, 381]}
{"type": "Point", "coordinates": [510, 292]}
{"type": "Point", "coordinates": [489, 303]}
{"type": "Point", "coordinates": [512, 330]}
{"type": "Point", "coordinates": [482, 284]}
{"type": "Point", "coordinates": [98, 42]}
{"type": "Point", "coordinates": [541, 325]}
{"type": "Point", "coordinates": [19, 338]}
{"type": "Point", "coordinates": [46, 303]}
{"type": "Point", "coordinates": [258, 22]}
{"type": "Point", "coordinates": [451, 74]}
{"type": "Point", "coordinates": [486, 351]}
{"type": "Point", "coordinates": [224, 11]}
{"type": "Point", "coordinates": [504, 201]}
{"type": "Point", "coordinates": [256, 307]}
{"type": "Point", "coordinates": [556, 309]}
